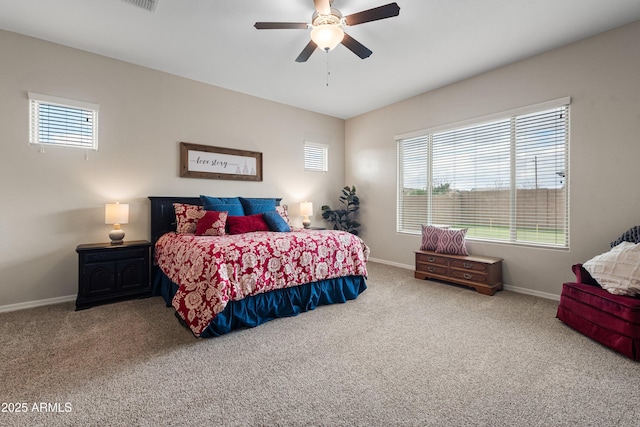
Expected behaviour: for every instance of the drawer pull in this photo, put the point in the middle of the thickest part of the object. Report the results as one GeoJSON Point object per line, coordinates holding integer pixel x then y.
{"type": "Point", "coordinates": [467, 276]}
{"type": "Point", "coordinates": [431, 269]}
{"type": "Point", "coordinates": [431, 259]}
{"type": "Point", "coordinates": [468, 265]}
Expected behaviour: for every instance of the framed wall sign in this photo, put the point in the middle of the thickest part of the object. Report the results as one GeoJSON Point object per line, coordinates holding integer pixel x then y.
{"type": "Point", "coordinates": [204, 161]}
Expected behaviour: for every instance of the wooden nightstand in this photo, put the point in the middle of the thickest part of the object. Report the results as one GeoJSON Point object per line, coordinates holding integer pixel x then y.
{"type": "Point", "coordinates": [108, 273]}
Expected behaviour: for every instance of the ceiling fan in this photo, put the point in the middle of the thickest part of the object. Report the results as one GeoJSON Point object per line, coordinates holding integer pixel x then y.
{"type": "Point", "coordinates": [327, 24]}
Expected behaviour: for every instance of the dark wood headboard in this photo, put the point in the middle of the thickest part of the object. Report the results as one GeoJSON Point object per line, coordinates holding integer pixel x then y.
{"type": "Point", "coordinates": [163, 217]}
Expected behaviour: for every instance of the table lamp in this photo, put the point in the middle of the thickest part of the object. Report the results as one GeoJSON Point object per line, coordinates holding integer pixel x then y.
{"type": "Point", "coordinates": [116, 214]}
{"type": "Point", "coordinates": [306, 210]}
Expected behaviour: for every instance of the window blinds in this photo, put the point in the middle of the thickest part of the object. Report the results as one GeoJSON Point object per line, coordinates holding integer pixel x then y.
{"type": "Point", "coordinates": [503, 179]}
{"type": "Point", "coordinates": [315, 157]}
{"type": "Point", "coordinates": [62, 122]}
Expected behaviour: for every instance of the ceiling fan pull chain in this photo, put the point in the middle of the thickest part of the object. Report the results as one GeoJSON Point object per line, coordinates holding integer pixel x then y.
{"type": "Point", "coordinates": [328, 69]}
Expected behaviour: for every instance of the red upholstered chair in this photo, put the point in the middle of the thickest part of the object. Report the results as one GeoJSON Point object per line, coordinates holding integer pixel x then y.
{"type": "Point", "coordinates": [611, 320]}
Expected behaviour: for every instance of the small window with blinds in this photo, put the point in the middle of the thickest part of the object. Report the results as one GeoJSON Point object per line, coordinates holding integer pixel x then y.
{"type": "Point", "coordinates": [316, 157]}
{"type": "Point", "coordinates": [62, 122]}
{"type": "Point", "coordinates": [503, 178]}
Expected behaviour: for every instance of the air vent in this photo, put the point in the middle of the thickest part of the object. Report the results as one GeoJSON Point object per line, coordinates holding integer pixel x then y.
{"type": "Point", "coordinates": [149, 5]}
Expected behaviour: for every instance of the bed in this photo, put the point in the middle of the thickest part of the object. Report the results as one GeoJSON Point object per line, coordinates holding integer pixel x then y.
{"type": "Point", "coordinates": [218, 284]}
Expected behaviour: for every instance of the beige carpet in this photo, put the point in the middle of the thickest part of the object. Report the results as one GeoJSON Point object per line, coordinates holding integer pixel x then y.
{"type": "Point", "coordinates": [406, 352]}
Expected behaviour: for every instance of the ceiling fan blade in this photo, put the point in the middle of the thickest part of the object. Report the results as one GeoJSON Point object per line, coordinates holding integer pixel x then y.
{"type": "Point", "coordinates": [281, 25]}
{"type": "Point", "coordinates": [381, 12]}
{"type": "Point", "coordinates": [307, 51]}
{"type": "Point", "coordinates": [355, 46]}
{"type": "Point", "coordinates": [323, 6]}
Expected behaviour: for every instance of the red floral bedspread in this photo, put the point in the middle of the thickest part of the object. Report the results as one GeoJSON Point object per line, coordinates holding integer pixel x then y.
{"type": "Point", "coordinates": [210, 271]}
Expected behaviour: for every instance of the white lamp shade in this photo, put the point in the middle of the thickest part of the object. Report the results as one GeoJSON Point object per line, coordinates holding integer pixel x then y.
{"type": "Point", "coordinates": [116, 213]}
{"type": "Point", "coordinates": [306, 209]}
{"type": "Point", "coordinates": [327, 36]}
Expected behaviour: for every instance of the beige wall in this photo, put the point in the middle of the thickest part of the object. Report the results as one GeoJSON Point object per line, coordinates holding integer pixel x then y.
{"type": "Point", "coordinates": [54, 201]}
{"type": "Point", "coordinates": [602, 77]}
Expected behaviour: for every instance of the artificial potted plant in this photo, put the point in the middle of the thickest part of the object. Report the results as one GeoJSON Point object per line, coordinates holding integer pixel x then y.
{"type": "Point", "coordinates": [342, 219]}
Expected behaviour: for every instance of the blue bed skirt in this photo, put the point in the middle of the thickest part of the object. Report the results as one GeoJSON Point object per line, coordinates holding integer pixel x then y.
{"type": "Point", "coordinates": [255, 310]}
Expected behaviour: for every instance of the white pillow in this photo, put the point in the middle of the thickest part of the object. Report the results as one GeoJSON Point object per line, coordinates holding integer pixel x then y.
{"type": "Point", "coordinates": [617, 271]}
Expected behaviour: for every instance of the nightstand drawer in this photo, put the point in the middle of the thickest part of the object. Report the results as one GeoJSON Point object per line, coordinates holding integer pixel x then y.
{"type": "Point", "coordinates": [114, 255]}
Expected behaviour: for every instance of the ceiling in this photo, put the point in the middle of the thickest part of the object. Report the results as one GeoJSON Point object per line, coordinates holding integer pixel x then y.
{"type": "Point", "coordinates": [431, 43]}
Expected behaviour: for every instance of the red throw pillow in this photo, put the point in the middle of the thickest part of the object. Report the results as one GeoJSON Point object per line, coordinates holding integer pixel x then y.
{"type": "Point", "coordinates": [187, 217]}
{"type": "Point", "coordinates": [246, 224]}
{"type": "Point", "coordinates": [212, 224]}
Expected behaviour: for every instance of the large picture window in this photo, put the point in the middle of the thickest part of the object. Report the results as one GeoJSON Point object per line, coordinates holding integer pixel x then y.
{"type": "Point", "coordinates": [503, 178]}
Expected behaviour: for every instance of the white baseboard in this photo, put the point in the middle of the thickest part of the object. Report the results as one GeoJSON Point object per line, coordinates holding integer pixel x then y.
{"type": "Point", "coordinates": [516, 289]}
{"type": "Point", "coordinates": [38, 303]}
{"type": "Point", "coordinates": [58, 300]}
{"type": "Point", "coordinates": [526, 291]}
{"type": "Point", "coordinates": [393, 264]}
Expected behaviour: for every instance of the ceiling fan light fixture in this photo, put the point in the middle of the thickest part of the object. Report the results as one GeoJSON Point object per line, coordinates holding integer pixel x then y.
{"type": "Point", "coordinates": [327, 36]}
{"type": "Point", "coordinates": [327, 23]}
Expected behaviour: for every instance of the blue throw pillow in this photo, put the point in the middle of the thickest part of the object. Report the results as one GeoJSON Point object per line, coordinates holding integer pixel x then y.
{"type": "Point", "coordinates": [275, 221]}
{"type": "Point", "coordinates": [257, 205]}
{"type": "Point", "coordinates": [223, 204]}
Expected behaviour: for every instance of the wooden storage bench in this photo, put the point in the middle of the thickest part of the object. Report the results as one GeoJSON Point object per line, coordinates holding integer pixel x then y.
{"type": "Point", "coordinates": [484, 274]}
